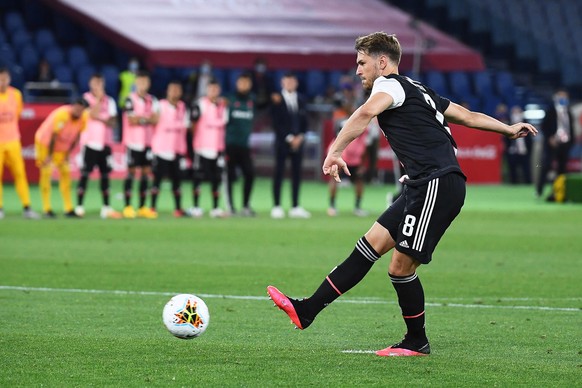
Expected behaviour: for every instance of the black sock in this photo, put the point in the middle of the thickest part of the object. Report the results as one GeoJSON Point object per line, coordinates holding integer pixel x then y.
{"type": "Point", "coordinates": [154, 191]}
{"type": "Point", "coordinates": [341, 279]}
{"type": "Point", "coordinates": [358, 201]}
{"type": "Point", "coordinates": [411, 300]}
{"type": "Point", "coordinates": [105, 190]}
{"type": "Point", "coordinates": [215, 198]}
{"type": "Point", "coordinates": [81, 189]}
{"type": "Point", "coordinates": [177, 199]}
{"type": "Point", "coordinates": [332, 201]}
{"type": "Point", "coordinates": [143, 190]}
{"type": "Point", "coordinates": [196, 196]}
{"type": "Point", "coordinates": [127, 188]}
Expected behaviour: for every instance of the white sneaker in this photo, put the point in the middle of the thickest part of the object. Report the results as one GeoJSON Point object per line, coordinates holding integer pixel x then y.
{"type": "Point", "coordinates": [277, 212]}
{"type": "Point", "coordinates": [30, 214]}
{"type": "Point", "coordinates": [1, 214]}
{"type": "Point", "coordinates": [299, 212]}
{"type": "Point", "coordinates": [80, 211]}
{"type": "Point", "coordinates": [361, 213]}
{"type": "Point", "coordinates": [195, 212]}
{"type": "Point", "coordinates": [108, 212]}
{"type": "Point", "coordinates": [248, 212]}
{"type": "Point", "coordinates": [217, 213]}
{"type": "Point", "coordinates": [331, 211]}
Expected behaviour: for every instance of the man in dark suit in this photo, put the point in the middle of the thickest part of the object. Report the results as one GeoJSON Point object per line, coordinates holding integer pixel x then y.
{"type": "Point", "coordinates": [289, 119]}
{"type": "Point", "coordinates": [558, 131]}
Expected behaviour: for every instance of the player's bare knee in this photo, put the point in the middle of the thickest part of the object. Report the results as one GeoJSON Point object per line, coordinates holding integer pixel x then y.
{"type": "Point", "coordinates": [402, 264]}
{"type": "Point", "coordinates": [380, 239]}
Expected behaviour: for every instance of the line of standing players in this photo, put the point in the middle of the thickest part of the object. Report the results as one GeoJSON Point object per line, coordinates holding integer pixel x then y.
{"type": "Point", "coordinates": [214, 132]}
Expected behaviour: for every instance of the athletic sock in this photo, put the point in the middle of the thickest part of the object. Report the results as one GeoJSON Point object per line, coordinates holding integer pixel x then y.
{"type": "Point", "coordinates": [358, 201]}
{"type": "Point", "coordinates": [341, 279]}
{"type": "Point", "coordinates": [215, 198]}
{"type": "Point", "coordinates": [143, 190]}
{"type": "Point", "coordinates": [127, 188]}
{"type": "Point", "coordinates": [177, 199]}
{"type": "Point", "coordinates": [154, 191]}
{"type": "Point", "coordinates": [81, 189]}
{"type": "Point", "coordinates": [196, 197]}
{"type": "Point", "coordinates": [105, 190]}
{"type": "Point", "coordinates": [411, 300]}
{"type": "Point", "coordinates": [332, 201]}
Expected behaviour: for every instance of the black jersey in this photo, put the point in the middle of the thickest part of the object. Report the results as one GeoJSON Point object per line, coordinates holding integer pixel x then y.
{"type": "Point", "coordinates": [419, 134]}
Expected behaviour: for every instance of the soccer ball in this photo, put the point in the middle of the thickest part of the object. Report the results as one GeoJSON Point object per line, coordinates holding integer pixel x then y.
{"type": "Point", "coordinates": [186, 316]}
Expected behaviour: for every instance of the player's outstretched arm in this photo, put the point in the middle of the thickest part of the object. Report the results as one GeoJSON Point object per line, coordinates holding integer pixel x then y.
{"type": "Point", "coordinates": [459, 115]}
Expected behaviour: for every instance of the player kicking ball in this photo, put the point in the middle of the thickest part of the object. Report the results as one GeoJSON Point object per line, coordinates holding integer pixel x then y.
{"type": "Point", "coordinates": [413, 119]}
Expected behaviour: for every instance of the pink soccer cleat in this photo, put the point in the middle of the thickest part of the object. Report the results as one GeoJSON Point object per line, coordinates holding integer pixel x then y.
{"type": "Point", "coordinates": [284, 304]}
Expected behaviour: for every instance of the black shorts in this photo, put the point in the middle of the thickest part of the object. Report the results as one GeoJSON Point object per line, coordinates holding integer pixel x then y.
{"type": "Point", "coordinates": [420, 216]}
{"type": "Point", "coordinates": [207, 169]}
{"type": "Point", "coordinates": [101, 159]}
{"type": "Point", "coordinates": [166, 168]}
{"type": "Point", "coordinates": [139, 158]}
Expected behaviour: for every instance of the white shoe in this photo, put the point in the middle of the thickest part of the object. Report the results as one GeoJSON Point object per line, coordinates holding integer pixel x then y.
{"type": "Point", "coordinates": [217, 213]}
{"type": "Point", "coordinates": [30, 214]}
{"type": "Point", "coordinates": [80, 211]}
{"type": "Point", "coordinates": [299, 212]}
{"type": "Point", "coordinates": [108, 212]}
{"type": "Point", "coordinates": [361, 213]}
{"type": "Point", "coordinates": [277, 212]}
{"type": "Point", "coordinates": [195, 212]}
{"type": "Point", "coordinates": [248, 212]}
{"type": "Point", "coordinates": [331, 211]}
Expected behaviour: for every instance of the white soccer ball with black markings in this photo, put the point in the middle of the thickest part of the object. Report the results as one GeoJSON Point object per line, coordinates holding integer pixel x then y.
{"type": "Point", "coordinates": [186, 316]}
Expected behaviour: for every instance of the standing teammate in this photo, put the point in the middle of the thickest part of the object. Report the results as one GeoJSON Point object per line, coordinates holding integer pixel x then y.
{"type": "Point", "coordinates": [139, 117]}
{"type": "Point", "coordinates": [96, 144]}
{"type": "Point", "coordinates": [54, 140]}
{"type": "Point", "coordinates": [169, 144]}
{"type": "Point", "coordinates": [211, 115]}
{"type": "Point", "coordinates": [238, 149]}
{"type": "Point", "coordinates": [10, 147]}
{"type": "Point", "coordinates": [412, 118]}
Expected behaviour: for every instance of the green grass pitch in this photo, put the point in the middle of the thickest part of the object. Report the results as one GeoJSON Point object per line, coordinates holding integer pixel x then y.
{"type": "Point", "coordinates": [81, 300]}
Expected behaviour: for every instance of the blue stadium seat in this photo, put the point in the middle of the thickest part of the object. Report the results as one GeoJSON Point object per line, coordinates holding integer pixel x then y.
{"type": "Point", "coordinates": [77, 56]}
{"type": "Point", "coordinates": [29, 59]}
{"type": "Point", "coordinates": [315, 83]}
{"type": "Point", "coordinates": [83, 75]}
{"type": "Point", "coordinates": [232, 77]}
{"type": "Point", "coordinates": [161, 76]}
{"type": "Point", "coordinates": [44, 39]}
{"type": "Point", "coordinates": [334, 78]}
{"type": "Point", "coordinates": [2, 36]}
{"type": "Point", "coordinates": [489, 105]}
{"type": "Point", "coordinates": [63, 73]}
{"type": "Point", "coordinates": [13, 20]}
{"type": "Point", "coordinates": [459, 83]}
{"type": "Point", "coordinates": [482, 83]}
{"type": "Point", "coordinates": [54, 56]}
{"type": "Point", "coordinates": [504, 85]}
{"type": "Point", "coordinates": [437, 82]}
{"type": "Point", "coordinates": [111, 76]}
{"type": "Point", "coordinates": [20, 37]}
{"type": "Point", "coordinates": [7, 56]}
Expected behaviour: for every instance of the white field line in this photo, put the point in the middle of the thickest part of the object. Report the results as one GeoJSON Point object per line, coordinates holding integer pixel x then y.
{"type": "Point", "coordinates": [251, 297]}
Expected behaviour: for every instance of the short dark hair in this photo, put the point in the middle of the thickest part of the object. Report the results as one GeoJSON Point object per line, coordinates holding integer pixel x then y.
{"type": "Point", "coordinates": [97, 75]}
{"type": "Point", "coordinates": [81, 101]}
{"type": "Point", "coordinates": [379, 43]}
{"type": "Point", "coordinates": [4, 69]}
{"type": "Point", "coordinates": [245, 74]}
{"type": "Point", "coordinates": [289, 74]}
{"type": "Point", "coordinates": [142, 73]}
{"type": "Point", "coordinates": [175, 82]}
{"type": "Point", "coordinates": [213, 81]}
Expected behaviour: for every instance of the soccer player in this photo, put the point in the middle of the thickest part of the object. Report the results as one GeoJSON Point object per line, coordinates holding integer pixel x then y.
{"type": "Point", "coordinates": [355, 157]}
{"type": "Point", "coordinates": [54, 140]}
{"type": "Point", "coordinates": [10, 147]}
{"type": "Point", "coordinates": [211, 115]}
{"type": "Point", "coordinates": [169, 144]}
{"type": "Point", "coordinates": [413, 119]}
{"type": "Point", "coordinates": [139, 117]}
{"type": "Point", "coordinates": [238, 149]}
{"type": "Point", "coordinates": [96, 144]}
